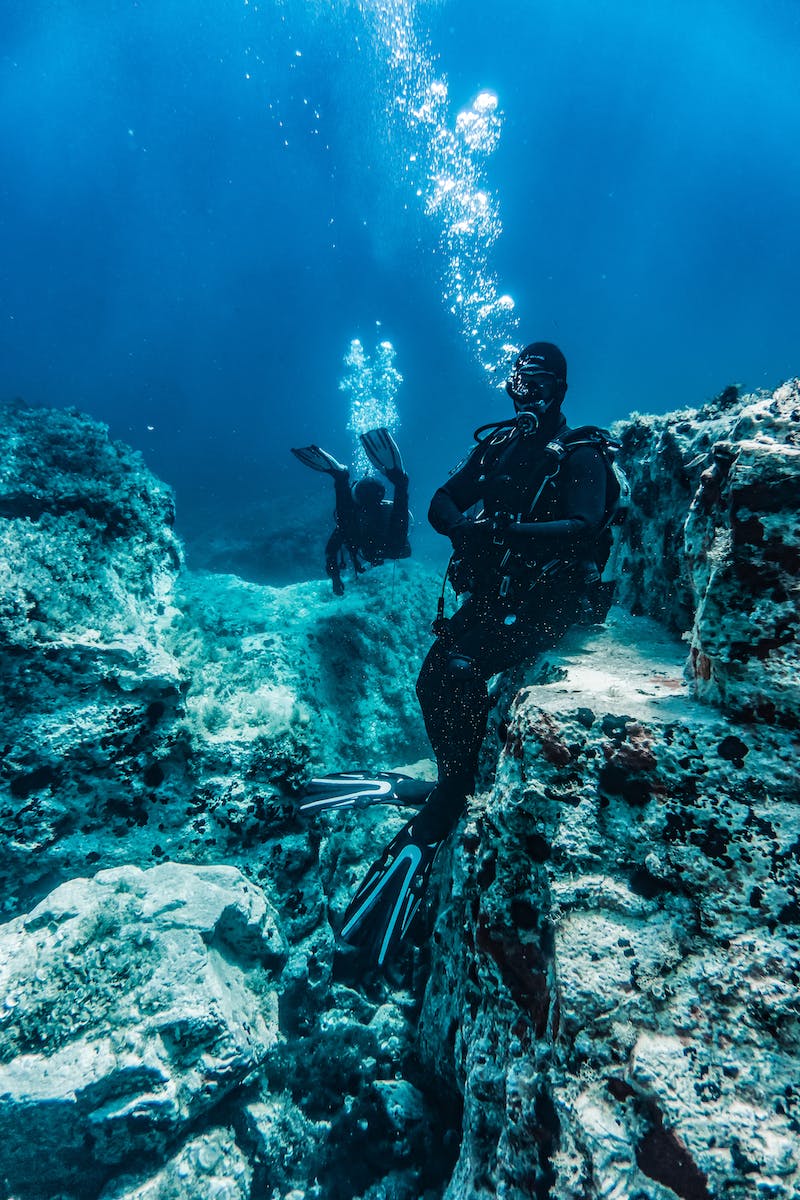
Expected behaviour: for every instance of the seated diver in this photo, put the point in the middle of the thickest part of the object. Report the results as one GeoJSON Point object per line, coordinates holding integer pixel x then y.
{"type": "Point", "coordinates": [528, 566]}
{"type": "Point", "coordinates": [368, 526]}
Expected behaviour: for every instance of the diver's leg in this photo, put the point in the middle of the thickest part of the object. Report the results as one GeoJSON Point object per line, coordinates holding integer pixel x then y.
{"type": "Point", "coordinates": [333, 561]}
{"type": "Point", "coordinates": [455, 707]}
{"type": "Point", "coordinates": [454, 700]}
{"type": "Point", "coordinates": [397, 538]}
{"type": "Point", "coordinates": [453, 696]}
{"type": "Point", "coordinates": [347, 517]}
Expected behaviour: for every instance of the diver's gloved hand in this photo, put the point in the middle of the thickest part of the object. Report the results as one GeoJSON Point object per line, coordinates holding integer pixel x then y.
{"type": "Point", "coordinates": [501, 523]}
{"type": "Point", "coordinates": [338, 586]}
{"type": "Point", "coordinates": [470, 536]}
{"type": "Point", "coordinates": [397, 476]}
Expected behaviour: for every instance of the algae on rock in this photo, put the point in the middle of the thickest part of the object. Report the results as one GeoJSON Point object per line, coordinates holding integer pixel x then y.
{"type": "Point", "coordinates": [133, 1003]}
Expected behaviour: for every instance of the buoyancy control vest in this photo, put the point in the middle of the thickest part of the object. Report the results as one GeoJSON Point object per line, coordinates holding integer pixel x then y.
{"type": "Point", "coordinates": [618, 490]}
{"type": "Point", "coordinates": [492, 440]}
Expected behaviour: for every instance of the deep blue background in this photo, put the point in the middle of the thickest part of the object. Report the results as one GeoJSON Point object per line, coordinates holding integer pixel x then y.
{"type": "Point", "coordinates": [187, 248]}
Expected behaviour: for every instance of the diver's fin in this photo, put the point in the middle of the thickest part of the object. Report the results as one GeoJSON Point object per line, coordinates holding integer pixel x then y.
{"type": "Point", "coordinates": [318, 460]}
{"type": "Point", "coordinates": [380, 914]}
{"type": "Point", "coordinates": [358, 789]}
{"type": "Point", "coordinates": [381, 450]}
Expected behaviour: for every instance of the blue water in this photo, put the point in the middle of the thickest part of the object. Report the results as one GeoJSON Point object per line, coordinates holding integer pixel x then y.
{"type": "Point", "coordinates": [202, 204]}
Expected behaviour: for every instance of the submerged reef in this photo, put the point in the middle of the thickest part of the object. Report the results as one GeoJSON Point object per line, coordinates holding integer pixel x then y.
{"type": "Point", "coordinates": [604, 999]}
{"type": "Point", "coordinates": [712, 545]}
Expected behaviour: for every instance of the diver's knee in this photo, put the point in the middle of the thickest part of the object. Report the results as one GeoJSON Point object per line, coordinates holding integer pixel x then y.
{"type": "Point", "coordinates": [444, 671]}
{"type": "Point", "coordinates": [461, 669]}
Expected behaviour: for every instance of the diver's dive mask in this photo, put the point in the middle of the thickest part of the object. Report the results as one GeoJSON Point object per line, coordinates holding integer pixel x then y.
{"type": "Point", "coordinates": [532, 389]}
{"type": "Point", "coordinates": [534, 392]}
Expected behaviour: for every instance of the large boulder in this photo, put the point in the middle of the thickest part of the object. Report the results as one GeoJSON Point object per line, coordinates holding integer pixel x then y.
{"type": "Point", "coordinates": [711, 546]}
{"type": "Point", "coordinates": [615, 969]}
{"type": "Point", "coordinates": [132, 1004]}
{"type": "Point", "coordinates": [88, 562]}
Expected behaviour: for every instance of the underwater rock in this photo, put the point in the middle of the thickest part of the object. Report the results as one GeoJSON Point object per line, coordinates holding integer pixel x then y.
{"type": "Point", "coordinates": [610, 989]}
{"type": "Point", "coordinates": [152, 714]}
{"type": "Point", "coordinates": [344, 1111]}
{"type": "Point", "coordinates": [181, 738]}
{"type": "Point", "coordinates": [88, 562]}
{"type": "Point", "coordinates": [132, 1003]}
{"type": "Point", "coordinates": [209, 1167]}
{"type": "Point", "coordinates": [615, 966]}
{"type": "Point", "coordinates": [286, 681]}
{"type": "Point", "coordinates": [711, 546]}
{"type": "Point", "coordinates": [87, 552]}
{"type": "Point", "coordinates": [742, 540]}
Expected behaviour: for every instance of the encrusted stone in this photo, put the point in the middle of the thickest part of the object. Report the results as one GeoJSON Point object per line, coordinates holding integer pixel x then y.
{"type": "Point", "coordinates": [132, 1003]}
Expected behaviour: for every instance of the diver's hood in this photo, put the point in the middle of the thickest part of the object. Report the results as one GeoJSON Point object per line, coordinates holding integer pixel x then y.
{"type": "Point", "coordinates": [369, 490]}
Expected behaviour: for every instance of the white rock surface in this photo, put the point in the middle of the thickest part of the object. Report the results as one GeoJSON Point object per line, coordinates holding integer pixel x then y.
{"type": "Point", "coordinates": [209, 1167]}
{"type": "Point", "coordinates": [131, 1004]}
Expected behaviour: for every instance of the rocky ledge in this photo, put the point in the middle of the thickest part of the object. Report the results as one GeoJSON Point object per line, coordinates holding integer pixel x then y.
{"type": "Point", "coordinates": [614, 974]}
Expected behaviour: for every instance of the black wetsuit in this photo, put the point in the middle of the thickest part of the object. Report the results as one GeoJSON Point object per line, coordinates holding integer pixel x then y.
{"type": "Point", "coordinates": [372, 532]}
{"type": "Point", "coordinates": [527, 583]}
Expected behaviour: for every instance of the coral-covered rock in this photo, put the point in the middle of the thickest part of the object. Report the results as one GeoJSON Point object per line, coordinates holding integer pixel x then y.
{"type": "Point", "coordinates": [132, 1003]}
{"type": "Point", "coordinates": [285, 681]}
{"type": "Point", "coordinates": [170, 724]}
{"type": "Point", "coordinates": [742, 539]}
{"type": "Point", "coordinates": [209, 1167]}
{"type": "Point", "coordinates": [146, 719]}
{"type": "Point", "coordinates": [87, 552]}
{"type": "Point", "coordinates": [712, 544]}
{"type": "Point", "coordinates": [88, 562]}
{"type": "Point", "coordinates": [615, 972]}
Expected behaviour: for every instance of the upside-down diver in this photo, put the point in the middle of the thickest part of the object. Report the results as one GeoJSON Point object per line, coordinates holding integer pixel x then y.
{"type": "Point", "coordinates": [369, 527]}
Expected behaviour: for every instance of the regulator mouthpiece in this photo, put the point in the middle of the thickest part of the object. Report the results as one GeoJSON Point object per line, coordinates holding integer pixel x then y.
{"type": "Point", "coordinates": [527, 422]}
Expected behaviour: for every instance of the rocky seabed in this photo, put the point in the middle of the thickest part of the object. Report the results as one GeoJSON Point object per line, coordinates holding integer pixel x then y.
{"type": "Point", "coordinates": [604, 1000]}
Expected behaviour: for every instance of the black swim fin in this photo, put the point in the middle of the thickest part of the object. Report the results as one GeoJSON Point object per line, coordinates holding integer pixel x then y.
{"type": "Point", "coordinates": [318, 460]}
{"type": "Point", "coordinates": [380, 914]}
{"type": "Point", "coordinates": [382, 451]}
{"type": "Point", "coordinates": [359, 789]}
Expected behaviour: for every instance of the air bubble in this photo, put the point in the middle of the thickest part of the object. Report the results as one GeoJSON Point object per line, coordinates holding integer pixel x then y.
{"type": "Point", "coordinates": [452, 158]}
